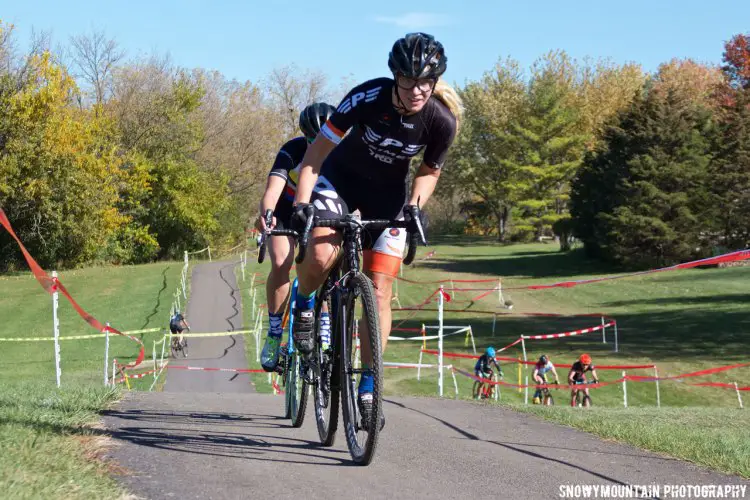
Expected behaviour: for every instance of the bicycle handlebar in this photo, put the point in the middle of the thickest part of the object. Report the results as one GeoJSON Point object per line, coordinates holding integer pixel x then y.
{"type": "Point", "coordinates": [268, 216]}
{"type": "Point", "coordinates": [313, 221]}
{"type": "Point", "coordinates": [373, 223]}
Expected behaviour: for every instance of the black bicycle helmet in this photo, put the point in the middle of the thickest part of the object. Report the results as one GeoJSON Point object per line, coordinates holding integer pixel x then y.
{"type": "Point", "coordinates": [313, 117]}
{"type": "Point", "coordinates": [417, 55]}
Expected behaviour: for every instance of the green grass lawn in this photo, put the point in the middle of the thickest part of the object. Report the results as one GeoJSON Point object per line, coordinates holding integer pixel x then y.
{"type": "Point", "coordinates": [682, 321]}
{"type": "Point", "coordinates": [259, 380]}
{"type": "Point", "coordinates": [48, 435]}
{"type": "Point", "coordinates": [714, 437]}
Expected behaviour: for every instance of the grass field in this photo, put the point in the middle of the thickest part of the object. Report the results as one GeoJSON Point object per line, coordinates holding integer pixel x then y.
{"type": "Point", "coordinates": [681, 321]}
{"type": "Point", "coordinates": [714, 437]}
{"type": "Point", "coordinates": [49, 436]}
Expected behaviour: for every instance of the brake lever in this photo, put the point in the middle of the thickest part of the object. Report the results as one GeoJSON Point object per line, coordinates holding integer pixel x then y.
{"type": "Point", "coordinates": [305, 237]}
{"type": "Point", "coordinates": [269, 220]}
{"type": "Point", "coordinates": [420, 229]}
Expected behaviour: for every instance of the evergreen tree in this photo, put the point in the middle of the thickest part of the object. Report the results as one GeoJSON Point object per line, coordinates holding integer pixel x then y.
{"type": "Point", "coordinates": [642, 198]}
{"type": "Point", "coordinates": [548, 150]}
{"type": "Point", "coordinates": [731, 168]}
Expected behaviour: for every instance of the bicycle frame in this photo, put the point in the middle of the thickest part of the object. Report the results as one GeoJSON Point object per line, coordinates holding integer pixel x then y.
{"type": "Point", "coordinates": [343, 284]}
{"type": "Point", "coordinates": [581, 394]}
{"type": "Point", "coordinates": [290, 347]}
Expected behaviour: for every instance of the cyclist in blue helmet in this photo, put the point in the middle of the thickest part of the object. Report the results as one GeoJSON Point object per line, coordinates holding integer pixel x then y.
{"type": "Point", "coordinates": [482, 369]}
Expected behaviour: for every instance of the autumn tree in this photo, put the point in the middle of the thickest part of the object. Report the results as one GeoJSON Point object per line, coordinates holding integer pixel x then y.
{"type": "Point", "coordinates": [475, 162]}
{"type": "Point", "coordinates": [692, 81]}
{"type": "Point", "coordinates": [736, 59]}
{"type": "Point", "coordinates": [58, 170]}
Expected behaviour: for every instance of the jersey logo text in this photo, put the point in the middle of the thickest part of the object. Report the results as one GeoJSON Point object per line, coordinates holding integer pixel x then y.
{"type": "Point", "coordinates": [352, 101]}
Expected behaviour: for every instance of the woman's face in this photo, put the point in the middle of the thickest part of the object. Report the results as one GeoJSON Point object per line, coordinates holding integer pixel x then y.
{"type": "Point", "coordinates": [414, 93]}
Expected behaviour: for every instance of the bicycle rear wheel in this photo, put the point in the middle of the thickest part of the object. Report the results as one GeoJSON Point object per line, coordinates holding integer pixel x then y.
{"type": "Point", "coordinates": [361, 437]}
{"type": "Point", "coordinates": [297, 390]}
{"type": "Point", "coordinates": [548, 400]}
{"type": "Point", "coordinates": [184, 348]}
{"type": "Point", "coordinates": [326, 399]}
{"type": "Point", "coordinates": [296, 387]}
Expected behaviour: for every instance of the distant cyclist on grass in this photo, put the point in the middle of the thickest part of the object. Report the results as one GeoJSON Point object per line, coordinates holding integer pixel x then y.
{"type": "Point", "coordinates": [482, 369]}
{"type": "Point", "coordinates": [577, 375]}
{"type": "Point", "coordinates": [541, 368]}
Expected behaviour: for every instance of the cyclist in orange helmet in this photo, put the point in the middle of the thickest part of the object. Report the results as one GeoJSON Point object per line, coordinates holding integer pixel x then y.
{"type": "Point", "coordinates": [577, 375]}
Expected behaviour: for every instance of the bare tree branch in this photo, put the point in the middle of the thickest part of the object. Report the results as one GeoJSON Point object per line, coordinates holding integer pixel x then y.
{"type": "Point", "coordinates": [95, 57]}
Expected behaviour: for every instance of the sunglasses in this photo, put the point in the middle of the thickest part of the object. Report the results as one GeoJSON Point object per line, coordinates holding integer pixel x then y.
{"type": "Point", "coordinates": [424, 84]}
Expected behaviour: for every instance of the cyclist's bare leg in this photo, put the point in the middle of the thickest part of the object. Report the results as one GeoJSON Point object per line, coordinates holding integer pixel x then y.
{"type": "Point", "coordinates": [277, 284]}
{"type": "Point", "coordinates": [383, 292]}
{"type": "Point", "coordinates": [322, 250]}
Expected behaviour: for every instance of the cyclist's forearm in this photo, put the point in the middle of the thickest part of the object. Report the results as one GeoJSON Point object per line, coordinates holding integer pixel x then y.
{"type": "Point", "coordinates": [311, 165]}
{"type": "Point", "coordinates": [308, 176]}
{"type": "Point", "coordinates": [274, 187]}
{"type": "Point", "coordinates": [424, 184]}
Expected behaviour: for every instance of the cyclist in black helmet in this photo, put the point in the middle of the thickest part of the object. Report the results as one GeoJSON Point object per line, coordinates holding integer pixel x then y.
{"type": "Point", "coordinates": [280, 188]}
{"type": "Point", "coordinates": [388, 121]}
{"type": "Point", "coordinates": [178, 324]}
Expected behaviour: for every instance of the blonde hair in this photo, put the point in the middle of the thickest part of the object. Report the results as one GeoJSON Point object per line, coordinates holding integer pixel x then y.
{"type": "Point", "coordinates": [451, 99]}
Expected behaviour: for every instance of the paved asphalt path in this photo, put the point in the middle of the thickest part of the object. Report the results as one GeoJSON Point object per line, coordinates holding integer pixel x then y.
{"type": "Point", "coordinates": [214, 306]}
{"type": "Point", "coordinates": [221, 441]}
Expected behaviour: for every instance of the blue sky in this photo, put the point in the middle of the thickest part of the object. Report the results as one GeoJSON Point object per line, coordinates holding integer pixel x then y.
{"type": "Point", "coordinates": [246, 39]}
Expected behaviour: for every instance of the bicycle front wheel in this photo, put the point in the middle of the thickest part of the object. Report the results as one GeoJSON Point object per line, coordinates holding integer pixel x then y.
{"type": "Point", "coordinates": [361, 434]}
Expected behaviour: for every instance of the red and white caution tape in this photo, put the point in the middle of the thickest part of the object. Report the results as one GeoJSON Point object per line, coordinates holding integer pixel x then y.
{"type": "Point", "coordinates": [209, 369]}
{"type": "Point", "coordinates": [719, 259]}
{"type": "Point", "coordinates": [137, 375]}
{"type": "Point", "coordinates": [568, 334]}
{"type": "Point", "coordinates": [515, 360]}
{"type": "Point", "coordinates": [51, 285]}
{"type": "Point", "coordinates": [709, 371]}
{"type": "Point", "coordinates": [389, 364]}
